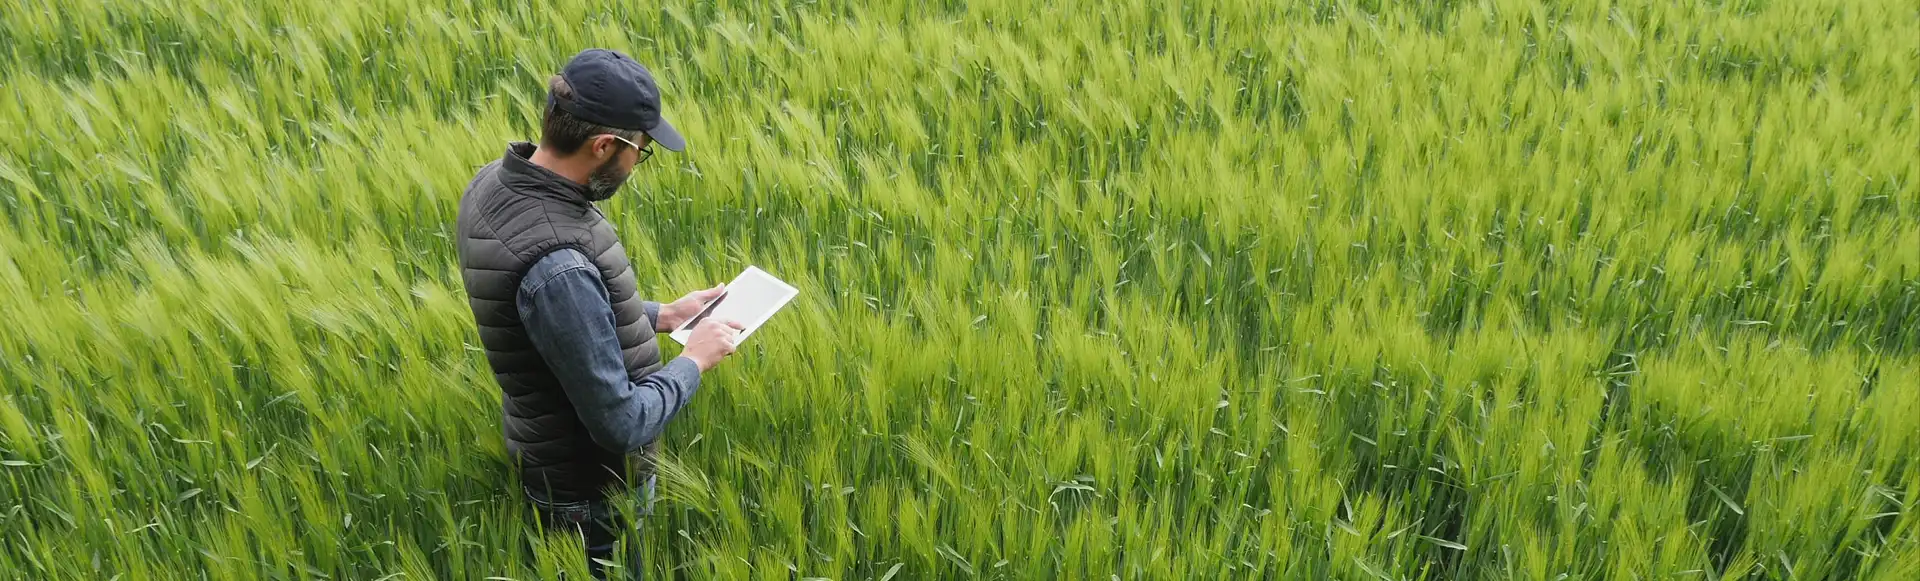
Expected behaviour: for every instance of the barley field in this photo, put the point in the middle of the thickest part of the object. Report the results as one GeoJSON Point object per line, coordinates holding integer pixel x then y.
{"type": "Point", "coordinates": [1229, 289]}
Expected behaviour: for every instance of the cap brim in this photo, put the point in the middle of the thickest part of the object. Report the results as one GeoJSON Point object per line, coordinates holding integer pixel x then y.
{"type": "Point", "coordinates": [668, 137]}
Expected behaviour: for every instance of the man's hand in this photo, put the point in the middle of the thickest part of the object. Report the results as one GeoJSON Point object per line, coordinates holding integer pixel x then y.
{"type": "Point", "coordinates": [712, 341]}
{"type": "Point", "coordinates": [677, 312]}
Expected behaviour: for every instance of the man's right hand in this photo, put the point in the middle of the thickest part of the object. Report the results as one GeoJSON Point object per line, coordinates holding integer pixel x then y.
{"type": "Point", "coordinates": [712, 341]}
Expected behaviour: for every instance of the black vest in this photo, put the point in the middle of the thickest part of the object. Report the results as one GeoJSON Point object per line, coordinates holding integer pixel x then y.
{"type": "Point", "coordinates": [513, 213]}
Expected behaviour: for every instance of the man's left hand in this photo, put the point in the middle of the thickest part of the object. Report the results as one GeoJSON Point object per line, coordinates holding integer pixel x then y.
{"type": "Point", "coordinates": [677, 312]}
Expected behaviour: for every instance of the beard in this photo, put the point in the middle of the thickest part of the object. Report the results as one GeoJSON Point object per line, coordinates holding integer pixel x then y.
{"type": "Point", "coordinates": [605, 180]}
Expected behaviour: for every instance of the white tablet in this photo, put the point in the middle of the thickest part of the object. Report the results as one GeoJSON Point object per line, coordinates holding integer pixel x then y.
{"type": "Point", "coordinates": [752, 298]}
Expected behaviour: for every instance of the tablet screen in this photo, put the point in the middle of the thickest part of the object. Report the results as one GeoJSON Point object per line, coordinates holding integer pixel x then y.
{"type": "Point", "coordinates": [752, 298]}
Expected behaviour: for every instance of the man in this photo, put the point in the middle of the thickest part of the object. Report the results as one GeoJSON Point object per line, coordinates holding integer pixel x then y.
{"type": "Point", "coordinates": [570, 343]}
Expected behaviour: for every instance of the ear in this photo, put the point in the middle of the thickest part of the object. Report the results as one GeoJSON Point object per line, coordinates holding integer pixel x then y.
{"type": "Point", "coordinates": [603, 146]}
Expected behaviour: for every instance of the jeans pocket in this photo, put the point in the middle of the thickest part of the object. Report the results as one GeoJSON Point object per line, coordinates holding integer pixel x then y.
{"type": "Point", "coordinates": [581, 516]}
{"type": "Point", "coordinates": [572, 515]}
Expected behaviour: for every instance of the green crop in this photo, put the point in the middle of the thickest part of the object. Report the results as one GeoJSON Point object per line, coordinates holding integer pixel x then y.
{"type": "Point", "coordinates": [1090, 290]}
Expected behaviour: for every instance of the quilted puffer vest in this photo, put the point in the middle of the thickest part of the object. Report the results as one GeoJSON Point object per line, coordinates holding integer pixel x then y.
{"type": "Point", "coordinates": [513, 213]}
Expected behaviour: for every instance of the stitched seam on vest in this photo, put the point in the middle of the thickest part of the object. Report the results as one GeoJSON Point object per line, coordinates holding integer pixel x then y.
{"type": "Point", "coordinates": [546, 216]}
{"type": "Point", "coordinates": [487, 218]}
{"type": "Point", "coordinates": [546, 440]}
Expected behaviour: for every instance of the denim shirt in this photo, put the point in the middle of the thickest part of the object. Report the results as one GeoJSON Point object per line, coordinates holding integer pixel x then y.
{"type": "Point", "coordinates": [564, 307]}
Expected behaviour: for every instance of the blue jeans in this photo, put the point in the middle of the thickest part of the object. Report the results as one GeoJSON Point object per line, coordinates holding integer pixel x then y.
{"type": "Point", "coordinates": [600, 525]}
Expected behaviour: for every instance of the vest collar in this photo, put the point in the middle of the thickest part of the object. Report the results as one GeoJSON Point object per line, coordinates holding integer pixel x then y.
{"type": "Point", "coordinates": [521, 175]}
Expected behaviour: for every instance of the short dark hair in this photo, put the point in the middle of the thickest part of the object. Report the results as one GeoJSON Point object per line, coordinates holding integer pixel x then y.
{"type": "Point", "coordinates": [564, 133]}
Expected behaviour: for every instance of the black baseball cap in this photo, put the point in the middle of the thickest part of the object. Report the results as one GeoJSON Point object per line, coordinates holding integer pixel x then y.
{"type": "Point", "coordinates": [612, 89]}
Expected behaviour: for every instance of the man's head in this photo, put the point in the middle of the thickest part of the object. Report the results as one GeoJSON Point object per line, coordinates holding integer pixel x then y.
{"type": "Point", "coordinates": [603, 109]}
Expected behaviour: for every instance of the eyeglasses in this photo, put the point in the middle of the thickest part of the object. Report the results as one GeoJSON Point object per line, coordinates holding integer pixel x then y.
{"type": "Point", "coordinates": [645, 152]}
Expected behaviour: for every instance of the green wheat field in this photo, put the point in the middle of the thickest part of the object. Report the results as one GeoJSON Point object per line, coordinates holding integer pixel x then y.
{"type": "Point", "coordinates": [1465, 289]}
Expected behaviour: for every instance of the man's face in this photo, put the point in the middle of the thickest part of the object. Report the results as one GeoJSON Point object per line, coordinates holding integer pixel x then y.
{"type": "Point", "coordinates": [618, 158]}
